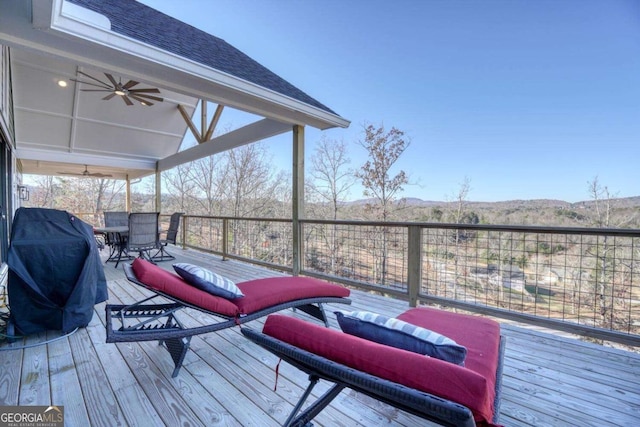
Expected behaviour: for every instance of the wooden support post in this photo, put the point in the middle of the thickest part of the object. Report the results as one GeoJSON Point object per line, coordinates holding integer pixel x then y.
{"type": "Point", "coordinates": [414, 263]}
{"type": "Point", "coordinates": [158, 190]}
{"type": "Point", "coordinates": [127, 195]}
{"type": "Point", "coordinates": [297, 196]}
{"type": "Point", "coordinates": [185, 227]}
{"type": "Point", "coordinates": [203, 118]}
{"type": "Point", "coordinates": [225, 239]}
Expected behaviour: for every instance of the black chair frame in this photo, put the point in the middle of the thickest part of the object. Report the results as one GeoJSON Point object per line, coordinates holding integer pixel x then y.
{"type": "Point", "coordinates": [171, 237]}
{"type": "Point", "coordinates": [424, 405]}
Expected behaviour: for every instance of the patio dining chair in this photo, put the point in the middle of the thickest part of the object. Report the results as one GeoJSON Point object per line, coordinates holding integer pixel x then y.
{"type": "Point", "coordinates": [116, 218]}
{"type": "Point", "coordinates": [143, 235]}
{"type": "Point", "coordinates": [115, 241]}
{"type": "Point", "coordinates": [170, 237]}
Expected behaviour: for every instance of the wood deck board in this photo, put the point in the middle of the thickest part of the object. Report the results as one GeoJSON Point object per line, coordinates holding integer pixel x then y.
{"type": "Point", "coordinates": [226, 380]}
{"type": "Point", "coordinates": [65, 384]}
{"type": "Point", "coordinates": [10, 372]}
{"type": "Point", "coordinates": [35, 370]}
{"type": "Point", "coordinates": [131, 398]}
{"type": "Point", "coordinates": [153, 356]}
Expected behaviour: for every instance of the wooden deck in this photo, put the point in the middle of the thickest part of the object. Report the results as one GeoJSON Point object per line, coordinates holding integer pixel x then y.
{"type": "Point", "coordinates": [226, 380]}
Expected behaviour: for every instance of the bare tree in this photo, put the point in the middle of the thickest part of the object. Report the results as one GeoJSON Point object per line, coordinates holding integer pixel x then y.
{"type": "Point", "coordinates": [106, 194]}
{"type": "Point", "coordinates": [250, 185]}
{"type": "Point", "coordinates": [614, 265]}
{"type": "Point", "coordinates": [113, 195]}
{"type": "Point", "coordinates": [602, 199]}
{"type": "Point", "coordinates": [332, 179]}
{"type": "Point", "coordinates": [180, 187]}
{"type": "Point", "coordinates": [384, 149]}
{"type": "Point", "coordinates": [44, 195]}
{"type": "Point", "coordinates": [602, 219]}
{"type": "Point", "coordinates": [249, 191]}
{"type": "Point", "coordinates": [208, 176]}
{"type": "Point", "coordinates": [461, 199]}
{"type": "Point", "coordinates": [87, 197]}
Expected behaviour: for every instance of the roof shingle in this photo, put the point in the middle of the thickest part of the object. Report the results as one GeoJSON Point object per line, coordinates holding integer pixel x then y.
{"type": "Point", "coordinates": [167, 33]}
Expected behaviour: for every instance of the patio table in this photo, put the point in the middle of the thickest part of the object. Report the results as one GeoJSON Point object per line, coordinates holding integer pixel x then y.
{"type": "Point", "coordinates": [116, 237]}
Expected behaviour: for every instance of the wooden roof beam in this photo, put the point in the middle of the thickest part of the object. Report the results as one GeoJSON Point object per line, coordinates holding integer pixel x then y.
{"type": "Point", "coordinates": [200, 135]}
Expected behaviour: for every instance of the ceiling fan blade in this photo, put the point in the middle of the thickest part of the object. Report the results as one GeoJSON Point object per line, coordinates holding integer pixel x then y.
{"type": "Point", "coordinates": [92, 84]}
{"type": "Point", "coordinates": [130, 84]}
{"type": "Point", "coordinates": [112, 80]}
{"type": "Point", "coordinates": [93, 78]}
{"type": "Point", "coordinates": [140, 100]}
{"type": "Point", "coordinates": [142, 95]}
{"type": "Point", "coordinates": [86, 173]}
{"type": "Point", "coordinates": [147, 90]}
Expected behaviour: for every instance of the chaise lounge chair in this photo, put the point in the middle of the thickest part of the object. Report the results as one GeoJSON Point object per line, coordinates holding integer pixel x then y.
{"type": "Point", "coordinates": [434, 389]}
{"type": "Point", "coordinates": [143, 321]}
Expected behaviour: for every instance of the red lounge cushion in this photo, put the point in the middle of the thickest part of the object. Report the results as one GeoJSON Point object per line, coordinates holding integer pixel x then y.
{"type": "Point", "coordinates": [171, 284]}
{"type": "Point", "coordinates": [430, 375]}
{"type": "Point", "coordinates": [263, 293]}
{"type": "Point", "coordinates": [481, 337]}
{"type": "Point", "coordinates": [259, 294]}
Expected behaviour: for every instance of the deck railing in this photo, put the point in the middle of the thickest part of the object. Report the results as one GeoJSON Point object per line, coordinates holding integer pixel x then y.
{"type": "Point", "coordinates": [580, 280]}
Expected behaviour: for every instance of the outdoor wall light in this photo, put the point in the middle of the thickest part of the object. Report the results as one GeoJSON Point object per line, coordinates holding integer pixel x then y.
{"type": "Point", "coordinates": [23, 192]}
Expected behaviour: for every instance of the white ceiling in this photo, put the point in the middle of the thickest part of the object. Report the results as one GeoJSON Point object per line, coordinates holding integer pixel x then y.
{"type": "Point", "coordinates": [69, 125]}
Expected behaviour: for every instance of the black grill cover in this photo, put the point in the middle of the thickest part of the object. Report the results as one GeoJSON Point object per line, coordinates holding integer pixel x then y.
{"type": "Point", "coordinates": [55, 272]}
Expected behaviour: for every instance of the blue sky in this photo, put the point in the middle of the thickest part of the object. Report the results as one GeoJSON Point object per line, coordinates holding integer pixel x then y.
{"type": "Point", "coordinates": [527, 99]}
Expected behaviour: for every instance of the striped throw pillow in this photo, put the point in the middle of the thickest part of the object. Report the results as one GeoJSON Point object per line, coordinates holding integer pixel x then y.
{"type": "Point", "coordinates": [208, 281]}
{"type": "Point", "coordinates": [397, 333]}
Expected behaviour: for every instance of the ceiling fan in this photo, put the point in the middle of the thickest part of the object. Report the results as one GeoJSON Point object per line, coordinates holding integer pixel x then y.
{"type": "Point", "coordinates": [125, 91]}
{"type": "Point", "coordinates": [87, 174]}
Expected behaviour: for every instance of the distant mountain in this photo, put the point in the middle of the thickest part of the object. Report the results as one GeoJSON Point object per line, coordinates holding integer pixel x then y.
{"type": "Point", "coordinates": [507, 204]}
{"type": "Point", "coordinates": [623, 202]}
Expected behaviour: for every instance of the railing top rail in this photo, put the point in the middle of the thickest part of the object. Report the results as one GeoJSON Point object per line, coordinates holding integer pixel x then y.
{"type": "Point", "coordinates": [235, 218]}
{"type": "Point", "coordinates": [620, 232]}
{"type": "Point", "coordinates": [628, 232]}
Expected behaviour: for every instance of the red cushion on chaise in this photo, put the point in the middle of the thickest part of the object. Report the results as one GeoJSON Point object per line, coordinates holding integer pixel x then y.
{"type": "Point", "coordinates": [470, 386]}
{"type": "Point", "coordinates": [172, 284]}
{"type": "Point", "coordinates": [259, 294]}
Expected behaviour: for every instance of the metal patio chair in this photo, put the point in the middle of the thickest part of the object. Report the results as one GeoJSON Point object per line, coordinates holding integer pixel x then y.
{"type": "Point", "coordinates": [143, 235]}
{"type": "Point", "coordinates": [171, 237]}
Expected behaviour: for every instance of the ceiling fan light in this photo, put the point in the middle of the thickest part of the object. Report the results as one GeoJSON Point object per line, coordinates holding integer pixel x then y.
{"type": "Point", "coordinates": [62, 83]}
{"type": "Point", "coordinates": [120, 92]}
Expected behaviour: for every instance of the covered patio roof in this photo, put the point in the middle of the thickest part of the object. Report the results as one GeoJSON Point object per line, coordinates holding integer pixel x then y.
{"type": "Point", "coordinates": [70, 130]}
